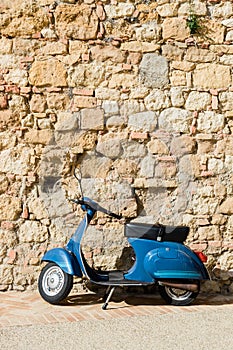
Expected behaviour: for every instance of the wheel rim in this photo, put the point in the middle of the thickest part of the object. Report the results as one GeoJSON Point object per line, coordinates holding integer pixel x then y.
{"type": "Point", "coordinates": [53, 281]}
{"type": "Point", "coordinates": [178, 294]}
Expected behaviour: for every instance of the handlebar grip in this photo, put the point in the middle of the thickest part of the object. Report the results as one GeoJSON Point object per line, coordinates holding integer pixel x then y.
{"type": "Point", "coordinates": [96, 207]}
{"type": "Point", "coordinates": [77, 201]}
{"type": "Point", "coordinates": [116, 216]}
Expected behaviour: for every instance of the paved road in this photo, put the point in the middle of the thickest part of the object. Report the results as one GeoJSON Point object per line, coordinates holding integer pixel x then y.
{"type": "Point", "coordinates": [182, 331]}
{"type": "Point", "coordinates": [28, 323]}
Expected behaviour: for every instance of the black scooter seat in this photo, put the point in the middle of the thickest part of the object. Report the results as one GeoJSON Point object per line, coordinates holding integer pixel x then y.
{"type": "Point", "coordinates": [153, 232]}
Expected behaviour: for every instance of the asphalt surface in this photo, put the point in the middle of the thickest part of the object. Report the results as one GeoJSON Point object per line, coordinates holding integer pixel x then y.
{"type": "Point", "coordinates": [205, 329]}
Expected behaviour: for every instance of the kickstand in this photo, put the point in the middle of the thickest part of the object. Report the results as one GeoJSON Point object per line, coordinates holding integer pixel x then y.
{"type": "Point", "coordinates": [107, 297]}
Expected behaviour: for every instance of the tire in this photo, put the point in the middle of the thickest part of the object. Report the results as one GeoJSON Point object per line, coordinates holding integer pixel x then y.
{"type": "Point", "coordinates": [54, 284]}
{"type": "Point", "coordinates": [175, 296]}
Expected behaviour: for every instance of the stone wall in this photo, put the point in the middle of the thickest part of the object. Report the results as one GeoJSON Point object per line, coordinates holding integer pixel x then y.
{"type": "Point", "coordinates": [144, 108]}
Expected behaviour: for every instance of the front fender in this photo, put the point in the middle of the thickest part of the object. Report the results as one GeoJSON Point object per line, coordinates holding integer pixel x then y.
{"type": "Point", "coordinates": [67, 262]}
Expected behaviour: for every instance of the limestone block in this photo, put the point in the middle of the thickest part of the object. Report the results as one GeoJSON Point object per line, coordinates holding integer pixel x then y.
{"type": "Point", "coordinates": [110, 147]}
{"type": "Point", "coordinates": [224, 146]}
{"type": "Point", "coordinates": [167, 10]}
{"type": "Point", "coordinates": [5, 46]}
{"type": "Point", "coordinates": [38, 103]}
{"type": "Point", "coordinates": [18, 104]}
{"type": "Point", "coordinates": [229, 36]}
{"type": "Point", "coordinates": [129, 107]}
{"type": "Point", "coordinates": [43, 137]}
{"type": "Point", "coordinates": [227, 59]}
{"type": "Point", "coordinates": [195, 54]}
{"type": "Point", "coordinates": [216, 166]}
{"type": "Point", "coordinates": [51, 165]}
{"type": "Point", "coordinates": [95, 166]}
{"type": "Point", "coordinates": [226, 100]}
{"type": "Point", "coordinates": [66, 140]}
{"type": "Point", "coordinates": [228, 22]}
{"type": "Point", "coordinates": [58, 101]}
{"type": "Point", "coordinates": [211, 76]}
{"type": "Point", "coordinates": [67, 121]}
{"type": "Point", "coordinates": [133, 150]}
{"type": "Point", "coordinates": [189, 167]}
{"type": "Point", "coordinates": [215, 31]}
{"type": "Point", "coordinates": [44, 123]}
{"type": "Point", "coordinates": [104, 93]}
{"type": "Point", "coordinates": [165, 170]}
{"type": "Point", "coordinates": [17, 76]}
{"type": "Point", "coordinates": [104, 53]}
{"type": "Point", "coordinates": [76, 22]}
{"type": "Point", "coordinates": [128, 208]}
{"type": "Point", "coordinates": [123, 80]}
{"type": "Point", "coordinates": [36, 207]}
{"type": "Point", "coordinates": [48, 73]}
{"type": "Point", "coordinates": [90, 75]}
{"type": "Point", "coordinates": [177, 98]}
{"type": "Point", "coordinates": [209, 122]}
{"type": "Point", "coordinates": [182, 145]}
{"type": "Point", "coordinates": [83, 102]}
{"type": "Point", "coordinates": [10, 207]}
{"type": "Point", "coordinates": [6, 276]}
{"type": "Point", "coordinates": [115, 122]}
{"type": "Point", "coordinates": [198, 101]}
{"type": "Point", "coordinates": [174, 120]}
{"type": "Point", "coordinates": [223, 10]}
{"type": "Point", "coordinates": [226, 207]}
{"type": "Point", "coordinates": [148, 31]}
{"type": "Point", "coordinates": [32, 19]}
{"type": "Point", "coordinates": [139, 92]}
{"type": "Point", "coordinates": [121, 9]}
{"type": "Point", "coordinates": [92, 119]}
{"type": "Point", "coordinates": [209, 233]}
{"type": "Point", "coordinates": [125, 167]}
{"type": "Point", "coordinates": [32, 231]}
{"type": "Point", "coordinates": [7, 140]}
{"type": "Point", "coordinates": [3, 184]}
{"type": "Point", "coordinates": [110, 107]}
{"type": "Point", "coordinates": [157, 100]}
{"type": "Point", "coordinates": [54, 48]}
{"type": "Point", "coordinates": [175, 28]}
{"type": "Point", "coordinates": [147, 166]}
{"type": "Point", "coordinates": [84, 141]}
{"type": "Point", "coordinates": [172, 53]}
{"type": "Point", "coordinates": [157, 146]}
{"type": "Point", "coordinates": [144, 121]}
{"type": "Point", "coordinates": [153, 71]}
{"type": "Point", "coordinates": [182, 65]}
{"type": "Point", "coordinates": [15, 160]}
{"type": "Point", "coordinates": [140, 46]}
{"type": "Point", "coordinates": [198, 7]}
{"type": "Point", "coordinates": [178, 78]}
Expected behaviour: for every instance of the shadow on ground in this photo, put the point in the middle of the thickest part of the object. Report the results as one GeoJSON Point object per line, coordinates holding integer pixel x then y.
{"type": "Point", "coordinates": [136, 299]}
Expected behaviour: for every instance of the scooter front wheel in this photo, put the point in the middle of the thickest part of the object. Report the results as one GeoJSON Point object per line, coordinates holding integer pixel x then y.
{"type": "Point", "coordinates": [54, 284]}
{"type": "Point", "coordinates": [176, 296]}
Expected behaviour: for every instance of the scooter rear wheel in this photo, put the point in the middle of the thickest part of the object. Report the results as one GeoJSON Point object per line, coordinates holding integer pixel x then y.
{"type": "Point", "coordinates": [175, 296]}
{"type": "Point", "coordinates": [54, 284]}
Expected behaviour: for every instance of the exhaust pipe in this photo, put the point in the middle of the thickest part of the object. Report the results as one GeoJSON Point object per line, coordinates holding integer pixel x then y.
{"type": "Point", "coordinates": [191, 287]}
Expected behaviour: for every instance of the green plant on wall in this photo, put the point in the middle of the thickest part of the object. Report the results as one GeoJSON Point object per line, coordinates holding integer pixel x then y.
{"type": "Point", "coordinates": [193, 23]}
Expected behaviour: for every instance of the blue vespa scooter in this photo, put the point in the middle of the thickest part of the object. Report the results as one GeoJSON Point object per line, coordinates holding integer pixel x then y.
{"type": "Point", "coordinates": [161, 258]}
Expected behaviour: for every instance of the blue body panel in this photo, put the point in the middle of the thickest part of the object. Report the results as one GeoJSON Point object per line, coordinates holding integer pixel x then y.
{"type": "Point", "coordinates": [164, 260]}
{"type": "Point", "coordinates": [65, 260]}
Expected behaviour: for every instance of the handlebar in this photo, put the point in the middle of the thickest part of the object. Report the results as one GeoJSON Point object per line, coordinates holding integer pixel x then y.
{"type": "Point", "coordinates": [95, 206]}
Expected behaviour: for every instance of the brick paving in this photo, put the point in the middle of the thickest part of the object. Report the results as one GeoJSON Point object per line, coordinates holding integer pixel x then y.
{"type": "Point", "coordinates": [28, 308]}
